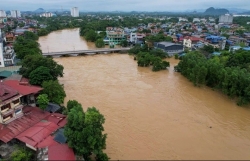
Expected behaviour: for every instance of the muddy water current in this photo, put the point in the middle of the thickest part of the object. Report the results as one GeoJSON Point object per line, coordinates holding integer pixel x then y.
{"type": "Point", "coordinates": [151, 115]}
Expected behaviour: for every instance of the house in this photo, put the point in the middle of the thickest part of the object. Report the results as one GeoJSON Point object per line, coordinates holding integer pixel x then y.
{"type": "Point", "coordinates": [10, 37]}
{"type": "Point", "coordinates": [238, 40]}
{"type": "Point", "coordinates": [136, 38]}
{"type": "Point", "coordinates": [115, 35]}
{"type": "Point", "coordinates": [10, 104]}
{"type": "Point", "coordinates": [27, 92]}
{"type": "Point", "coordinates": [170, 48]}
{"type": "Point", "coordinates": [234, 48]}
{"type": "Point", "coordinates": [188, 41]}
{"type": "Point", "coordinates": [213, 39]}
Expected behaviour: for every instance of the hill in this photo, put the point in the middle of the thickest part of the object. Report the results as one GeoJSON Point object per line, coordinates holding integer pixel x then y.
{"type": "Point", "coordinates": [39, 10]}
{"type": "Point", "coordinates": [213, 11]}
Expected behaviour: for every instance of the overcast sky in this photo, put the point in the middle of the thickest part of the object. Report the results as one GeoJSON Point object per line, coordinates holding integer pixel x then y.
{"type": "Point", "coordinates": [122, 5]}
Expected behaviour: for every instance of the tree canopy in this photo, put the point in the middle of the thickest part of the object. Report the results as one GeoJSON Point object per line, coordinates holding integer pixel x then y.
{"type": "Point", "coordinates": [32, 62]}
{"type": "Point", "coordinates": [84, 132]}
{"type": "Point", "coordinates": [228, 73]}
{"type": "Point", "coordinates": [43, 101]}
{"type": "Point", "coordinates": [54, 90]}
{"type": "Point", "coordinates": [39, 75]}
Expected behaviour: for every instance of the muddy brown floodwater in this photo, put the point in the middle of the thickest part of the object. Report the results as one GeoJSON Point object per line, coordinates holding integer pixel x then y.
{"type": "Point", "coordinates": [151, 115]}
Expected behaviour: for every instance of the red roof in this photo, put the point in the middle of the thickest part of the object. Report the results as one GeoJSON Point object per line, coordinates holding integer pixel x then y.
{"type": "Point", "coordinates": [49, 141]}
{"type": "Point", "coordinates": [22, 88]}
{"type": "Point", "coordinates": [32, 115]}
{"type": "Point", "coordinates": [193, 38]}
{"type": "Point", "coordinates": [60, 152]}
{"type": "Point", "coordinates": [37, 133]}
{"type": "Point", "coordinates": [59, 119]}
{"type": "Point", "coordinates": [7, 92]}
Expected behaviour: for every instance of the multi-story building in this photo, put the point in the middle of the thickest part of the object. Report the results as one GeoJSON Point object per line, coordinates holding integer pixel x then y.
{"type": "Point", "coordinates": [226, 19]}
{"type": "Point", "coordinates": [10, 105]}
{"type": "Point", "coordinates": [15, 13]}
{"type": "Point", "coordinates": [136, 38]}
{"type": "Point", "coordinates": [46, 14]}
{"type": "Point", "coordinates": [2, 13]}
{"type": "Point", "coordinates": [1, 50]}
{"type": "Point", "coordinates": [115, 35]}
{"type": "Point", "coordinates": [75, 12]}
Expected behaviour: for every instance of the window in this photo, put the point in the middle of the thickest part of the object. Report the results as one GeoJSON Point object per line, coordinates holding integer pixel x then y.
{"type": "Point", "coordinates": [4, 107]}
{"type": "Point", "coordinates": [5, 117]}
{"type": "Point", "coordinates": [16, 101]}
{"type": "Point", "coordinates": [18, 111]}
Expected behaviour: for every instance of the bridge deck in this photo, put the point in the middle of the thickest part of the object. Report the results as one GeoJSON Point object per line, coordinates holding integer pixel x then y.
{"type": "Point", "coordinates": [86, 51]}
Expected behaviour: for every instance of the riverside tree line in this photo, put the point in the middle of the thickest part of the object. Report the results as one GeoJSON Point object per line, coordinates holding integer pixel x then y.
{"type": "Point", "coordinates": [229, 73]}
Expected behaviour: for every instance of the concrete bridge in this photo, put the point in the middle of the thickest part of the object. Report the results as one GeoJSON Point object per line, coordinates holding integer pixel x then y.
{"type": "Point", "coordinates": [86, 52]}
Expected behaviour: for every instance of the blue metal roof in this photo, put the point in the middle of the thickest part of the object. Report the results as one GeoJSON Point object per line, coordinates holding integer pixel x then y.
{"type": "Point", "coordinates": [216, 53]}
{"type": "Point", "coordinates": [246, 48]}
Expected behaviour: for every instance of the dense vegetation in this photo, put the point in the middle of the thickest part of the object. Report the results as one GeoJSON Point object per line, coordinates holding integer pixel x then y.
{"type": "Point", "coordinates": [229, 73]}
{"type": "Point", "coordinates": [84, 131]}
{"type": "Point", "coordinates": [42, 71]}
{"type": "Point", "coordinates": [150, 57]}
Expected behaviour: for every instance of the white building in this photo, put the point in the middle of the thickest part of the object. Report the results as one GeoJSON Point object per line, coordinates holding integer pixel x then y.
{"type": "Point", "coordinates": [226, 19]}
{"type": "Point", "coordinates": [46, 14]}
{"type": "Point", "coordinates": [75, 12]}
{"type": "Point", "coordinates": [1, 52]}
{"type": "Point", "coordinates": [187, 43]}
{"type": "Point", "coordinates": [15, 13]}
{"type": "Point", "coordinates": [2, 13]}
{"type": "Point", "coordinates": [136, 38]}
{"type": "Point", "coordinates": [196, 20]}
{"type": "Point", "coordinates": [181, 19]}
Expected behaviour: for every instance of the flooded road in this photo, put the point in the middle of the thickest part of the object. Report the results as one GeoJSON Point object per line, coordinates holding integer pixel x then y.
{"type": "Point", "coordinates": [151, 115]}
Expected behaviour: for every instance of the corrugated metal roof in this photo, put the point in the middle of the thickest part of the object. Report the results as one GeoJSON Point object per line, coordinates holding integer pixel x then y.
{"type": "Point", "coordinates": [22, 89]}
{"type": "Point", "coordinates": [32, 115]}
{"type": "Point", "coordinates": [37, 133]}
{"type": "Point", "coordinates": [65, 152]}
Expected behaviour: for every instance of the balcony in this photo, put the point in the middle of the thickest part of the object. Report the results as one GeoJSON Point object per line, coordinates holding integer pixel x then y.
{"type": "Point", "coordinates": [20, 106]}
{"type": "Point", "coordinates": [8, 120]}
{"type": "Point", "coordinates": [7, 111]}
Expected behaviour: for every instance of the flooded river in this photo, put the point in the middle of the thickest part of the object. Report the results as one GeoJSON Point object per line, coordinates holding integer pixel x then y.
{"type": "Point", "coordinates": [151, 115]}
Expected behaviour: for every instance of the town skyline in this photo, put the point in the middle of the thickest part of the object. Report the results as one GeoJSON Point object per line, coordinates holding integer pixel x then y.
{"type": "Point", "coordinates": [128, 5]}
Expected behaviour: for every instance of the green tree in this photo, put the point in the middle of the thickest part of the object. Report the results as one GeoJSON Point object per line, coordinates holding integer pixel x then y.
{"type": "Point", "coordinates": [99, 43]}
{"type": "Point", "coordinates": [208, 48]}
{"type": "Point", "coordinates": [158, 52]}
{"type": "Point", "coordinates": [42, 32]}
{"type": "Point", "coordinates": [84, 132]}
{"type": "Point", "coordinates": [54, 90]}
{"type": "Point", "coordinates": [124, 43]}
{"type": "Point", "coordinates": [91, 35]}
{"type": "Point", "coordinates": [31, 62]}
{"type": "Point", "coordinates": [43, 101]}
{"type": "Point", "coordinates": [39, 75]}
{"type": "Point", "coordinates": [30, 35]}
{"type": "Point", "coordinates": [21, 154]}
{"type": "Point", "coordinates": [24, 47]}
{"type": "Point", "coordinates": [72, 103]}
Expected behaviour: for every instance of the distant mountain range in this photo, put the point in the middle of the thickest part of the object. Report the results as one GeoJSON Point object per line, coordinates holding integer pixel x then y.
{"type": "Point", "coordinates": [41, 10]}
{"type": "Point", "coordinates": [209, 11]}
